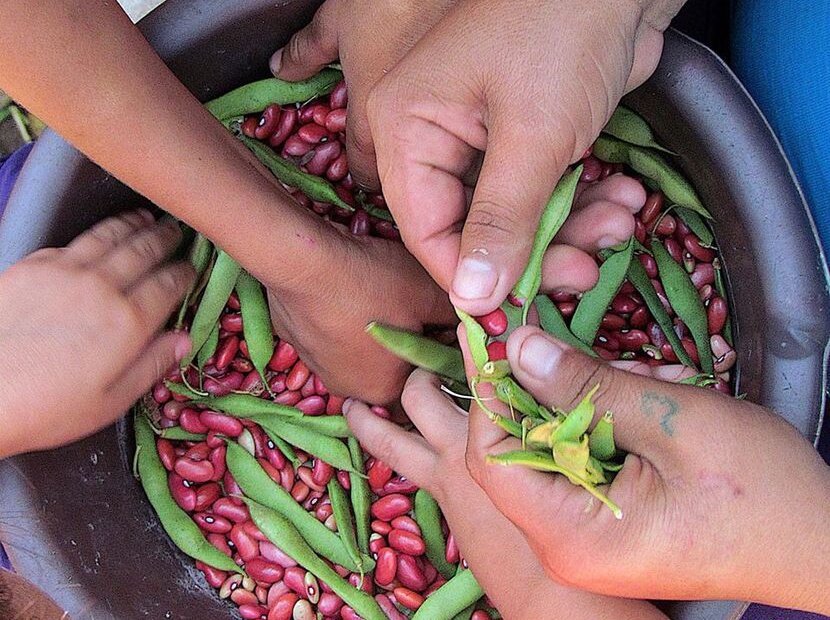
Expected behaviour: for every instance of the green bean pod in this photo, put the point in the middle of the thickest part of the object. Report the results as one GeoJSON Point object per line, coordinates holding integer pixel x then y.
{"type": "Point", "coordinates": [284, 447]}
{"type": "Point", "coordinates": [451, 598]}
{"type": "Point", "coordinates": [651, 165]}
{"type": "Point", "coordinates": [255, 97]}
{"type": "Point", "coordinates": [476, 339]}
{"type": "Point", "coordinates": [419, 350]}
{"type": "Point", "coordinates": [328, 425]}
{"type": "Point", "coordinates": [184, 533]}
{"type": "Point", "coordinates": [697, 225]}
{"type": "Point", "coordinates": [285, 536]}
{"type": "Point", "coordinates": [177, 433]}
{"type": "Point", "coordinates": [258, 485]}
{"type": "Point", "coordinates": [639, 279]}
{"type": "Point", "coordinates": [577, 421]}
{"type": "Point", "coordinates": [209, 348]}
{"type": "Point", "coordinates": [361, 496]}
{"type": "Point", "coordinates": [199, 255]}
{"type": "Point", "coordinates": [245, 405]}
{"type": "Point", "coordinates": [544, 462]}
{"type": "Point", "coordinates": [465, 614]}
{"type": "Point", "coordinates": [329, 449]}
{"type": "Point", "coordinates": [219, 288]}
{"type": "Point", "coordinates": [256, 321]}
{"type": "Point", "coordinates": [554, 215]}
{"type": "Point", "coordinates": [551, 320]}
{"type": "Point", "coordinates": [628, 126]}
{"type": "Point", "coordinates": [511, 393]}
{"type": "Point", "coordinates": [342, 510]}
{"type": "Point", "coordinates": [601, 440]}
{"type": "Point", "coordinates": [594, 303]}
{"type": "Point", "coordinates": [428, 518]}
{"type": "Point", "coordinates": [686, 302]}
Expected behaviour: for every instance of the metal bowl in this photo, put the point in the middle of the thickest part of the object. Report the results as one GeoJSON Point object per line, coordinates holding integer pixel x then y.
{"type": "Point", "coordinates": [77, 524]}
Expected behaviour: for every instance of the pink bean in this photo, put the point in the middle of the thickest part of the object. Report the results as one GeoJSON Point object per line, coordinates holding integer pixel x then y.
{"type": "Point", "coordinates": [398, 485]}
{"type": "Point", "coordinates": [220, 542]}
{"type": "Point", "coordinates": [313, 134]}
{"type": "Point", "coordinates": [336, 120]}
{"type": "Point", "coordinates": [410, 575]}
{"type": "Point", "coordinates": [206, 495]}
{"type": "Point", "coordinates": [195, 471]}
{"type": "Point", "coordinates": [284, 357]}
{"type": "Point", "coordinates": [406, 542]}
{"type": "Point", "coordinates": [294, 578]}
{"type": "Point", "coordinates": [324, 156]}
{"type": "Point", "coordinates": [329, 604]}
{"type": "Point", "coordinates": [407, 524]}
{"type": "Point", "coordinates": [339, 97]}
{"type": "Point", "coordinates": [212, 523]}
{"type": "Point", "coordinates": [166, 453]}
{"type": "Point", "coordinates": [225, 352]}
{"type": "Point", "coordinates": [703, 274]}
{"type": "Point", "coordinates": [312, 405]}
{"type": "Point", "coordinates": [386, 565]}
{"type": "Point", "coordinates": [225, 507]}
{"type": "Point", "coordinates": [161, 393]}
{"type": "Point", "coordinates": [221, 423]}
{"type": "Point", "coordinates": [263, 571]}
{"type": "Point", "coordinates": [339, 168]}
{"type": "Point", "coordinates": [321, 473]}
{"type": "Point", "coordinates": [189, 420]}
{"type": "Point", "coordinates": [308, 387]}
{"type": "Point", "coordinates": [287, 124]}
{"type": "Point", "coordinates": [268, 122]}
{"type": "Point", "coordinates": [214, 576]}
{"type": "Point", "coordinates": [231, 322]}
{"type": "Point", "coordinates": [391, 506]}
{"type": "Point", "coordinates": [388, 607]}
{"type": "Point", "coordinates": [296, 147]}
{"type": "Point", "coordinates": [297, 376]}
{"type": "Point", "coordinates": [245, 544]}
{"type": "Point", "coordinates": [274, 554]}
{"type": "Point", "coordinates": [252, 611]}
{"type": "Point", "coordinates": [283, 607]}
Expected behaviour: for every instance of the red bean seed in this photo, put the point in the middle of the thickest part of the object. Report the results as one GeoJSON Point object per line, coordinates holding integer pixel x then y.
{"type": "Point", "coordinates": [212, 523]}
{"type": "Point", "coordinates": [391, 506]}
{"type": "Point", "coordinates": [312, 587]}
{"type": "Point", "coordinates": [294, 577]}
{"type": "Point", "coordinates": [693, 246]}
{"type": "Point", "coordinates": [406, 542]}
{"type": "Point", "coordinates": [661, 294]}
{"type": "Point", "coordinates": [321, 474]}
{"type": "Point", "coordinates": [452, 554]}
{"type": "Point", "coordinates": [161, 393]}
{"type": "Point", "coordinates": [231, 322]}
{"type": "Point", "coordinates": [703, 274]}
{"type": "Point", "coordinates": [323, 511]}
{"type": "Point", "coordinates": [607, 341]}
{"type": "Point", "coordinates": [275, 592]}
{"type": "Point", "coordinates": [409, 599]}
{"type": "Point", "coordinates": [189, 420]}
{"type": "Point", "coordinates": [612, 322]}
{"type": "Point", "coordinates": [407, 524]}
{"type": "Point", "coordinates": [225, 352]}
{"type": "Point", "coordinates": [297, 377]}
{"type": "Point", "coordinates": [319, 113]}
{"type": "Point", "coordinates": [409, 574]}
{"type": "Point", "coordinates": [380, 527]}
{"type": "Point", "coordinates": [674, 250]}
{"type": "Point", "coordinates": [312, 133]}
{"type": "Point", "coordinates": [666, 226]}
{"type": "Point", "coordinates": [497, 350]}
{"type": "Point", "coordinates": [360, 224]}
{"type": "Point", "coordinates": [312, 405]}
{"type": "Point", "coordinates": [716, 314]}
{"type": "Point", "coordinates": [376, 543]}
{"type": "Point", "coordinates": [230, 584]}
{"type": "Point", "coordinates": [283, 607]}
{"type": "Point", "coordinates": [249, 126]}
{"type": "Point", "coordinates": [214, 576]}
{"type": "Point", "coordinates": [274, 455]}
{"type": "Point", "coordinates": [289, 397]}
{"type": "Point", "coordinates": [296, 147]}
{"type": "Point", "coordinates": [624, 304]}
{"type": "Point", "coordinates": [480, 614]}
{"type": "Point", "coordinates": [300, 491]}
{"type": "Point", "coordinates": [268, 122]}
{"type": "Point", "coordinates": [494, 323]}
{"type": "Point", "coordinates": [243, 366]}
{"type": "Point", "coordinates": [195, 471]}
{"type": "Point", "coordinates": [329, 604]}
{"type": "Point", "coordinates": [339, 97]}
{"type": "Point", "coordinates": [398, 485]}
{"type": "Point", "coordinates": [640, 232]}
{"type": "Point", "coordinates": [287, 124]}
{"type": "Point", "coordinates": [166, 453]}
{"type": "Point", "coordinates": [221, 423]}
{"type": "Point", "coordinates": [245, 544]}
{"type": "Point", "coordinates": [640, 317]}
{"type": "Point", "coordinates": [324, 156]}
{"type": "Point", "coordinates": [388, 607]}
{"type": "Point", "coordinates": [263, 571]}
{"type": "Point", "coordinates": [591, 170]}
{"type": "Point", "coordinates": [206, 495]}
{"type": "Point", "coordinates": [224, 507]}
{"type": "Point", "coordinates": [434, 586]}
{"type": "Point", "coordinates": [241, 596]}
{"type": "Point", "coordinates": [379, 474]}
{"type": "Point", "coordinates": [652, 208]}
{"type": "Point", "coordinates": [631, 339]}
{"type": "Point", "coordinates": [336, 120]}
{"type": "Point", "coordinates": [649, 264]}
{"type": "Point", "coordinates": [339, 168]}
{"type": "Point", "coordinates": [287, 477]}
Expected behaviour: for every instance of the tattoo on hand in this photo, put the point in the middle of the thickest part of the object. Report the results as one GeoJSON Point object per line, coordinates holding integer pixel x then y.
{"type": "Point", "coordinates": [655, 404]}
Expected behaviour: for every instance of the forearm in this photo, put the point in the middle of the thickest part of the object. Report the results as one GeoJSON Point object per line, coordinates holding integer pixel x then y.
{"type": "Point", "coordinates": [100, 85]}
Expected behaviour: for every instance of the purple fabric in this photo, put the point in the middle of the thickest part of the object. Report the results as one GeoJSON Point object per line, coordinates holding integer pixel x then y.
{"type": "Point", "coordinates": [762, 612]}
{"type": "Point", "coordinates": [9, 170]}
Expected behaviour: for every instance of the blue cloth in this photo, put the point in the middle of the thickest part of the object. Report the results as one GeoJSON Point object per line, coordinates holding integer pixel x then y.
{"type": "Point", "coordinates": [781, 52]}
{"type": "Point", "coordinates": [9, 170]}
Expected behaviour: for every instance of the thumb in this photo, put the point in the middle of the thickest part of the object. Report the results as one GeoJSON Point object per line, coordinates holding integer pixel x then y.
{"type": "Point", "coordinates": [310, 49]}
{"type": "Point", "coordinates": [520, 169]}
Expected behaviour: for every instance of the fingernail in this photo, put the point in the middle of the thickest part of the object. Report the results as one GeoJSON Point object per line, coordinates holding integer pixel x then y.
{"type": "Point", "coordinates": [475, 279]}
{"type": "Point", "coordinates": [538, 356]}
{"type": "Point", "coordinates": [182, 347]}
{"type": "Point", "coordinates": [276, 62]}
{"type": "Point", "coordinates": [147, 216]}
{"type": "Point", "coordinates": [608, 241]}
{"type": "Point", "coordinates": [347, 405]}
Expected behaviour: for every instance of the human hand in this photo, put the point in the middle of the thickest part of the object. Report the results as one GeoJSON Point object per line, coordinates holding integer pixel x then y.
{"type": "Point", "coordinates": [467, 88]}
{"type": "Point", "coordinates": [722, 499]}
{"type": "Point", "coordinates": [356, 280]}
{"type": "Point", "coordinates": [491, 545]}
{"type": "Point", "coordinates": [80, 341]}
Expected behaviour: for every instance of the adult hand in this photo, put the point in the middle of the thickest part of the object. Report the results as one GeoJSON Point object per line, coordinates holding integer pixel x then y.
{"type": "Point", "coordinates": [491, 545]}
{"type": "Point", "coordinates": [722, 499]}
{"type": "Point", "coordinates": [80, 339]}
{"type": "Point", "coordinates": [528, 83]}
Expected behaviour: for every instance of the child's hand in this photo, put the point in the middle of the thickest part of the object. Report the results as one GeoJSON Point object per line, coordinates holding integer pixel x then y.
{"type": "Point", "coordinates": [79, 337]}
{"type": "Point", "coordinates": [721, 499]}
{"type": "Point", "coordinates": [494, 548]}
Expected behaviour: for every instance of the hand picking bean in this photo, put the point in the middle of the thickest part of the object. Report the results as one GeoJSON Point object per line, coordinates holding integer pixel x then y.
{"type": "Point", "coordinates": [178, 525]}
{"type": "Point", "coordinates": [550, 320]}
{"type": "Point", "coordinates": [284, 535]}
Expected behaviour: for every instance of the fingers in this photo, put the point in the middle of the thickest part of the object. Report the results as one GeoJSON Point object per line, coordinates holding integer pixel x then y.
{"type": "Point", "coordinates": [403, 451]}
{"type": "Point", "coordinates": [145, 249]}
{"type": "Point", "coordinates": [649, 414]}
{"type": "Point", "coordinates": [107, 234]}
{"type": "Point", "coordinates": [158, 357]}
{"type": "Point", "coordinates": [597, 226]}
{"type": "Point", "coordinates": [156, 296]}
{"type": "Point", "coordinates": [618, 188]}
{"type": "Point", "coordinates": [310, 49]}
{"type": "Point", "coordinates": [501, 224]}
{"type": "Point", "coordinates": [438, 419]}
{"type": "Point", "coordinates": [565, 268]}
